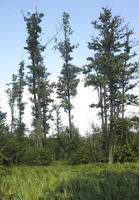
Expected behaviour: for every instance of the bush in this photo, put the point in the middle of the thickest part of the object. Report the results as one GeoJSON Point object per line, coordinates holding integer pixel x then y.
{"type": "Point", "coordinates": [79, 157]}
{"type": "Point", "coordinates": [129, 152]}
{"type": "Point", "coordinates": [33, 156]}
{"type": "Point", "coordinates": [46, 156]}
{"type": "Point", "coordinates": [15, 150]}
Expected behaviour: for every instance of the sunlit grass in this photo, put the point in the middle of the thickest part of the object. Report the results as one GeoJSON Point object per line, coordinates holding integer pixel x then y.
{"type": "Point", "coordinates": [63, 182]}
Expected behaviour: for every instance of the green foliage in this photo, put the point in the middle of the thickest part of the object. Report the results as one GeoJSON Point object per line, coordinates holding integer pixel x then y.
{"type": "Point", "coordinates": [111, 72]}
{"type": "Point", "coordinates": [62, 182]}
{"type": "Point", "coordinates": [3, 127]}
{"type": "Point", "coordinates": [20, 89]}
{"type": "Point", "coordinates": [20, 150]}
{"type": "Point", "coordinates": [37, 78]}
{"type": "Point", "coordinates": [127, 148]}
{"type": "Point", "coordinates": [46, 156]}
{"type": "Point", "coordinates": [14, 151]}
{"type": "Point", "coordinates": [31, 156]}
{"type": "Point", "coordinates": [36, 157]}
{"type": "Point", "coordinates": [3, 170]}
{"type": "Point", "coordinates": [15, 100]}
{"type": "Point", "coordinates": [95, 145]}
{"type": "Point", "coordinates": [129, 152]}
{"type": "Point", "coordinates": [2, 157]}
{"type": "Point", "coordinates": [20, 130]}
{"type": "Point", "coordinates": [12, 93]}
{"type": "Point", "coordinates": [61, 146]}
{"type": "Point", "coordinates": [106, 186]}
{"type": "Point", "coordinates": [68, 81]}
{"type": "Point", "coordinates": [81, 155]}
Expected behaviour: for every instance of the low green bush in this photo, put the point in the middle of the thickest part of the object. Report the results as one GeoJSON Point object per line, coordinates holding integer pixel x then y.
{"type": "Point", "coordinates": [129, 152]}
{"type": "Point", "coordinates": [80, 156]}
{"type": "Point", "coordinates": [46, 156]}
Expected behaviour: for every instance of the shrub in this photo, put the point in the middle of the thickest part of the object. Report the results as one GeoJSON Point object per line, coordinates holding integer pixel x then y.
{"type": "Point", "coordinates": [33, 156]}
{"type": "Point", "coordinates": [80, 155]}
{"type": "Point", "coordinates": [129, 152]}
{"type": "Point", "coordinates": [46, 156]}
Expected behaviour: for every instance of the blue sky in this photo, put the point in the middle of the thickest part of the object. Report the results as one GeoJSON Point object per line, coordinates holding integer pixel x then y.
{"type": "Point", "coordinates": [13, 29]}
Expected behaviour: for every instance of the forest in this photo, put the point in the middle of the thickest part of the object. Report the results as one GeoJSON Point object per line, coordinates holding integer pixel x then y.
{"type": "Point", "coordinates": [104, 163]}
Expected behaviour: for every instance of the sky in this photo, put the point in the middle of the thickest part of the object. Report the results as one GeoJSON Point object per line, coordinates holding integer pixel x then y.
{"type": "Point", "coordinates": [82, 12]}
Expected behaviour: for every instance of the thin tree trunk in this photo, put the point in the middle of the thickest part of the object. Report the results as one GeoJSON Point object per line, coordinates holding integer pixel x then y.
{"type": "Point", "coordinates": [111, 136]}
{"type": "Point", "coordinates": [111, 148]}
{"type": "Point", "coordinates": [123, 105]}
{"type": "Point", "coordinates": [12, 121]}
{"type": "Point", "coordinates": [105, 119]}
{"type": "Point", "coordinates": [44, 121]}
{"type": "Point", "coordinates": [102, 97]}
{"type": "Point", "coordinates": [20, 115]}
{"type": "Point", "coordinates": [69, 116]}
{"type": "Point", "coordinates": [38, 126]}
{"type": "Point", "coordinates": [38, 112]}
{"type": "Point", "coordinates": [39, 116]}
{"type": "Point", "coordinates": [57, 122]}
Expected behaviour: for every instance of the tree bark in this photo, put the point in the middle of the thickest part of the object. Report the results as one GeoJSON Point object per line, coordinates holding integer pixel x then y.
{"type": "Point", "coordinates": [111, 135]}
{"type": "Point", "coordinates": [111, 153]}
{"type": "Point", "coordinates": [39, 116]}
{"type": "Point", "coordinates": [69, 116]}
{"type": "Point", "coordinates": [38, 126]}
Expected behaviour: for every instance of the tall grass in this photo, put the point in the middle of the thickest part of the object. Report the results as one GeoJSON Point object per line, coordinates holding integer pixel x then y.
{"type": "Point", "coordinates": [63, 182]}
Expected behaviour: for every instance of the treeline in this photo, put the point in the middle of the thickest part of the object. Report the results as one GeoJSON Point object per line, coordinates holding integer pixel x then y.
{"type": "Point", "coordinates": [112, 71]}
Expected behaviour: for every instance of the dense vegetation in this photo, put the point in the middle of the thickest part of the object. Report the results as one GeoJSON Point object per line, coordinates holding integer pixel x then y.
{"type": "Point", "coordinates": [112, 72]}
{"type": "Point", "coordinates": [61, 181]}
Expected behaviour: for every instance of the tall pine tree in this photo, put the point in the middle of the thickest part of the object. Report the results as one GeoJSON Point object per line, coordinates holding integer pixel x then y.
{"type": "Point", "coordinates": [38, 76]}
{"type": "Point", "coordinates": [15, 100]}
{"type": "Point", "coordinates": [21, 85]}
{"type": "Point", "coordinates": [12, 93]}
{"type": "Point", "coordinates": [68, 81]}
{"type": "Point", "coordinates": [109, 71]}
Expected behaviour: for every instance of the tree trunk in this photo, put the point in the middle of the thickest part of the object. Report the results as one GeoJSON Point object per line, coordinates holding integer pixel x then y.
{"type": "Point", "coordinates": [102, 97]}
{"type": "Point", "coordinates": [39, 116]}
{"type": "Point", "coordinates": [12, 120]}
{"type": "Point", "coordinates": [123, 101]}
{"type": "Point", "coordinates": [44, 121]}
{"type": "Point", "coordinates": [111, 135]}
{"type": "Point", "coordinates": [111, 153]}
{"type": "Point", "coordinates": [70, 123]}
{"type": "Point", "coordinates": [105, 119]}
{"type": "Point", "coordinates": [38, 127]}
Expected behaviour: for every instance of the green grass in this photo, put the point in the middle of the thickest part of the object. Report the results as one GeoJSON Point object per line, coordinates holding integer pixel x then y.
{"type": "Point", "coordinates": [63, 182]}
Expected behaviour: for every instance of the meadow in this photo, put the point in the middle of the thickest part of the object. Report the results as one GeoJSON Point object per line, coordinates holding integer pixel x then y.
{"type": "Point", "coordinates": [61, 181]}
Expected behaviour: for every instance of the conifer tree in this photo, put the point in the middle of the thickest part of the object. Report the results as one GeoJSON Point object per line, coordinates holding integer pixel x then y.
{"type": "Point", "coordinates": [20, 105]}
{"type": "Point", "coordinates": [127, 72]}
{"type": "Point", "coordinates": [38, 75]}
{"type": "Point", "coordinates": [68, 81]}
{"type": "Point", "coordinates": [36, 68]}
{"type": "Point", "coordinates": [12, 93]}
{"type": "Point", "coordinates": [15, 99]}
{"type": "Point", "coordinates": [109, 71]}
{"type": "Point", "coordinates": [20, 88]}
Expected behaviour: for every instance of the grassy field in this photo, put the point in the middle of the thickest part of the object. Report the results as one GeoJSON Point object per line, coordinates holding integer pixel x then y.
{"type": "Point", "coordinates": [63, 182]}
